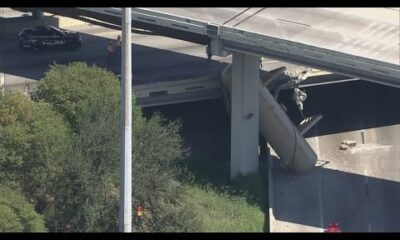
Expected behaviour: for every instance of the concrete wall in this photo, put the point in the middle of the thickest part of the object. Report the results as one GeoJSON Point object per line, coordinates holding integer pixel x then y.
{"type": "Point", "coordinates": [12, 26]}
{"type": "Point", "coordinates": [295, 153]}
{"type": "Point", "coordinates": [66, 22]}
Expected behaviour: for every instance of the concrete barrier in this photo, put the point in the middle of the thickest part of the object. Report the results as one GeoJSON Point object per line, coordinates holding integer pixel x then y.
{"type": "Point", "coordinates": [1, 83]}
{"type": "Point", "coordinates": [24, 86]}
{"type": "Point", "coordinates": [270, 194]}
{"type": "Point", "coordinates": [12, 26]}
{"type": "Point", "coordinates": [66, 22]}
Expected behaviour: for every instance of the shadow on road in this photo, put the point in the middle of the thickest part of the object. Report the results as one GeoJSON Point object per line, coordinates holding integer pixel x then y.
{"type": "Point", "coordinates": [358, 203]}
{"type": "Point", "coordinates": [149, 64]}
{"type": "Point", "coordinates": [347, 106]}
{"type": "Point", "coordinates": [206, 129]}
{"type": "Point", "coordinates": [325, 196]}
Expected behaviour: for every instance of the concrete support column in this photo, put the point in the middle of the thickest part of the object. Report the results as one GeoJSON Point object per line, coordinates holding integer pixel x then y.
{"type": "Point", "coordinates": [37, 14]}
{"type": "Point", "coordinates": [244, 114]}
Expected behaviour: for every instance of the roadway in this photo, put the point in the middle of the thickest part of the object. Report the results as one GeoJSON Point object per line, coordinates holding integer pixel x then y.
{"type": "Point", "coordinates": [357, 42]}
{"type": "Point", "coordinates": [366, 32]}
{"type": "Point", "coordinates": [341, 190]}
{"type": "Point", "coordinates": [9, 13]}
{"type": "Point", "coordinates": [160, 61]}
{"type": "Point", "coordinates": [151, 62]}
{"type": "Point", "coordinates": [156, 59]}
{"type": "Point", "coordinates": [358, 188]}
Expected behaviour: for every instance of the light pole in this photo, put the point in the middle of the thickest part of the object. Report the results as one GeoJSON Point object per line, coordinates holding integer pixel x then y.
{"type": "Point", "coordinates": [125, 207]}
{"type": "Point", "coordinates": [2, 74]}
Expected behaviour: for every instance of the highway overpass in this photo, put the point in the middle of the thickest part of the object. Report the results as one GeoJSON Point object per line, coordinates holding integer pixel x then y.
{"type": "Point", "coordinates": [362, 43]}
{"type": "Point", "coordinates": [359, 43]}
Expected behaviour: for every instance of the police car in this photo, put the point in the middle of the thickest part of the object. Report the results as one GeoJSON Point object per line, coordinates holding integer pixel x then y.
{"type": "Point", "coordinates": [42, 37]}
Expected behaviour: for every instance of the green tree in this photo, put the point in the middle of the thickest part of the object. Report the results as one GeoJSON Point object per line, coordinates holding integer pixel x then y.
{"type": "Point", "coordinates": [34, 144]}
{"type": "Point", "coordinates": [71, 88]}
{"type": "Point", "coordinates": [155, 184]}
{"type": "Point", "coordinates": [88, 199]}
{"type": "Point", "coordinates": [17, 214]}
{"type": "Point", "coordinates": [88, 196]}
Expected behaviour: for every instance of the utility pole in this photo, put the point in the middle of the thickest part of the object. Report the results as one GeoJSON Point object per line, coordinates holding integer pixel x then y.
{"type": "Point", "coordinates": [125, 207]}
{"type": "Point", "coordinates": [2, 74]}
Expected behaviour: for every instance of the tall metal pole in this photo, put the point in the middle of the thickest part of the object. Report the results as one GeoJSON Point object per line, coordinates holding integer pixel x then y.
{"type": "Point", "coordinates": [2, 74]}
{"type": "Point", "coordinates": [125, 208]}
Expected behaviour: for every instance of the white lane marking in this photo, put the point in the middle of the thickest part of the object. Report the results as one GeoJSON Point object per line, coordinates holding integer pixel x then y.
{"type": "Point", "coordinates": [293, 22]}
{"type": "Point", "coordinates": [366, 176]}
{"type": "Point", "coordinates": [369, 227]}
{"type": "Point", "coordinates": [271, 61]}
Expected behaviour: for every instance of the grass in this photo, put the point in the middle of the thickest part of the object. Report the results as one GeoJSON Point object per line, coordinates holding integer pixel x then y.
{"type": "Point", "coordinates": [221, 205]}
{"type": "Point", "coordinates": [226, 206]}
{"type": "Point", "coordinates": [222, 212]}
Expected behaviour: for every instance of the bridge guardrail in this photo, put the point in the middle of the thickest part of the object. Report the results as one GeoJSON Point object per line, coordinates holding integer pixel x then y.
{"type": "Point", "coordinates": [343, 63]}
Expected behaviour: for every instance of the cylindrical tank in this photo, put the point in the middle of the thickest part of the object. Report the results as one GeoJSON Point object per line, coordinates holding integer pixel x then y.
{"type": "Point", "coordinates": [295, 153]}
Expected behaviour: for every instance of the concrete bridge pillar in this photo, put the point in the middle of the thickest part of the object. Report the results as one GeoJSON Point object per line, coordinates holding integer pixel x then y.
{"type": "Point", "coordinates": [244, 114]}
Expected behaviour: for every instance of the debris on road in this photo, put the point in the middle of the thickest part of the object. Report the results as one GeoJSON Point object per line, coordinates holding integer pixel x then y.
{"type": "Point", "coordinates": [346, 144]}
{"type": "Point", "coordinates": [343, 147]}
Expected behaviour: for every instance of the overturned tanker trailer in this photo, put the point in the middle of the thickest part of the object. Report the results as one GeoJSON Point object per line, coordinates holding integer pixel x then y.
{"type": "Point", "coordinates": [294, 152]}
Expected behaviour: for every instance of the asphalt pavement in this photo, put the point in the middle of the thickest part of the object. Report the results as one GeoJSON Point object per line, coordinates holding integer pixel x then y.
{"type": "Point", "coordinates": [155, 58]}
{"type": "Point", "coordinates": [359, 188]}
{"type": "Point", "coordinates": [366, 32]}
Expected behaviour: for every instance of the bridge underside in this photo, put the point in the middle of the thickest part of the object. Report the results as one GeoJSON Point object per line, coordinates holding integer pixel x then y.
{"type": "Point", "coordinates": [247, 104]}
